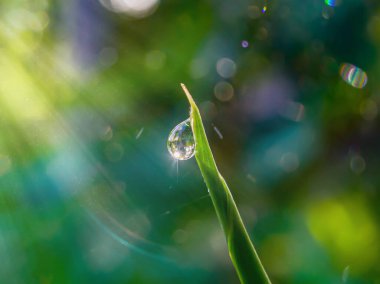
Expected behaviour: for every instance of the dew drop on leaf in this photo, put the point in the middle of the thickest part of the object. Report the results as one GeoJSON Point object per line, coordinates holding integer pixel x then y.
{"type": "Point", "coordinates": [181, 144]}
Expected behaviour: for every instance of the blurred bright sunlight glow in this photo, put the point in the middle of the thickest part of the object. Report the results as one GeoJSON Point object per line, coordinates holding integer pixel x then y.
{"type": "Point", "coordinates": [134, 8]}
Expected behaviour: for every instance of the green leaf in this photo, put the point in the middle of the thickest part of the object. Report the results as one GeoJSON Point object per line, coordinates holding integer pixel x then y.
{"type": "Point", "coordinates": [241, 250]}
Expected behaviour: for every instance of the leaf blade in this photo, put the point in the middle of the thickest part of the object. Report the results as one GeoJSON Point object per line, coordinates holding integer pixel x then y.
{"type": "Point", "coordinates": [241, 250]}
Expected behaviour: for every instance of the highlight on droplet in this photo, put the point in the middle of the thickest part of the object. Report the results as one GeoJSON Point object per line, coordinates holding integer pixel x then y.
{"type": "Point", "coordinates": [181, 144]}
{"type": "Point", "coordinates": [353, 75]}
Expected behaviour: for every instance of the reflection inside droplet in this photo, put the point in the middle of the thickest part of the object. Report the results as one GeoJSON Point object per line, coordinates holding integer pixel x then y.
{"type": "Point", "coordinates": [353, 75]}
{"type": "Point", "coordinates": [181, 144]}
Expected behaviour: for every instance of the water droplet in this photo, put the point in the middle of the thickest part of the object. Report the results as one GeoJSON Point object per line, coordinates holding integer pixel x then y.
{"type": "Point", "coordinates": [181, 144]}
{"type": "Point", "coordinates": [353, 75]}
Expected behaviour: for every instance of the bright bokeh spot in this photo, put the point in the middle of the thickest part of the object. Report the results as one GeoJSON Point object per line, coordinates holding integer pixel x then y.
{"type": "Point", "coordinates": [345, 228]}
{"type": "Point", "coordinates": [245, 44]}
{"type": "Point", "coordinates": [226, 68]}
{"type": "Point", "coordinates": [20, 95]}
{"type": "Point", "coordinates": [353, 75]}
{"type": "Point", "coordinates": [332, 3]}
{"type": "Point", "coordinates": [133, 8]}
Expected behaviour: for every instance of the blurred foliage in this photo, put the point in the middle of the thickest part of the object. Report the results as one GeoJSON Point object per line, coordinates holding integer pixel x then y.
{"type": "Point", "coordinates": [89, 91]}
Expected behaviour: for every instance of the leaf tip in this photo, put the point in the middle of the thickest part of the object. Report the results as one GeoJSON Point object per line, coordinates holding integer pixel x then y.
{"type": "Point", "coordinates": [188, 95]}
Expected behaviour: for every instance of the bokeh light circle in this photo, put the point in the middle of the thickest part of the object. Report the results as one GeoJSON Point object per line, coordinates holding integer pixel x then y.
{"type": "Point", "coordinates": [133, 8]}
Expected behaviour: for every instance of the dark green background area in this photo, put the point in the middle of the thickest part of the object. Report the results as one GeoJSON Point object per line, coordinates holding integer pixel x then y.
{"type": "Point", "coordinates": [88, 97]}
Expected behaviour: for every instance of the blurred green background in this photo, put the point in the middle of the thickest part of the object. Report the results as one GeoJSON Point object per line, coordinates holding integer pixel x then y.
{"type": "Point", "coordinates": [89, 91]}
